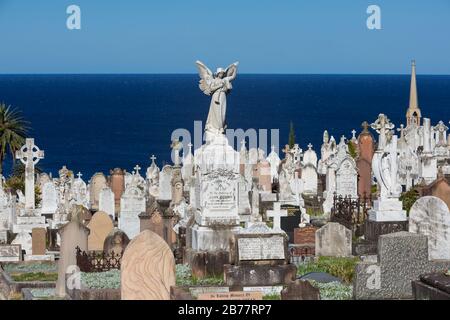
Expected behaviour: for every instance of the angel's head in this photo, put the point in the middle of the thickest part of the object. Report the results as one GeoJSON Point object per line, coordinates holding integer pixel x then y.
{"type": "Point", "coordinates": [220, 73]}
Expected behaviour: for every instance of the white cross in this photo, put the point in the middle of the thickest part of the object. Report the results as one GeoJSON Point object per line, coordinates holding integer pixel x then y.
{"type": "Point", "coordinates": [136, 169]}
{"type": "Point", "coordinates": [276, 214]}
{"type": "Point", "coordinates": [153, 158]}
{"type": "Point", "coordinates": [353, 134]}
{"type": "Point", "coordinates": [29, 155]}
{"type": "Point", "coordinates": [310, 146]}
{"type": "Point", "coordinates": [79, 175]}
{"type": "Point", "coordinates": [243, 144]}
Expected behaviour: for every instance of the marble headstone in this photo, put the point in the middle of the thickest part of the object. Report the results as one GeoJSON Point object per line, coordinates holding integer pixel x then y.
{"type": "Point", "coordinates": [430, 216]}
{"type": "Point", "coordinates": [333, 240]}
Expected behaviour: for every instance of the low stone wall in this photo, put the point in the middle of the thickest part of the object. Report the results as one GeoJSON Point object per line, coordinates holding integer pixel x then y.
{"type": "Point", "coordinates": [10, 286]}
{"type": "Point", "coordinates": [94, 294]}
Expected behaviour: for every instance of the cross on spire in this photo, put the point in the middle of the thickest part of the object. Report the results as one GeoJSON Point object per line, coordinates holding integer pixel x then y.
{"type": "Point", "coordinates": [276, 214]}
{"type": "Point", "coordinates": [354, 134]}
{"type": "Point", "coordinates": [310, 146]}
{"type": "Point", "coordinates": [79, 175]}
{"type": "Point", "coordinates": [136, 169]}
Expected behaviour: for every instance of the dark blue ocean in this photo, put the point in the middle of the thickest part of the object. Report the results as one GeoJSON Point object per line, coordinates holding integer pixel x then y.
{"type": "Point", "coordinates": [97, 122]}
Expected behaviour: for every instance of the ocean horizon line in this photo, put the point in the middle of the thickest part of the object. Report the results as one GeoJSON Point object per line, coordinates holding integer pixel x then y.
{"type": "Point", "coordinates": [196, 74]}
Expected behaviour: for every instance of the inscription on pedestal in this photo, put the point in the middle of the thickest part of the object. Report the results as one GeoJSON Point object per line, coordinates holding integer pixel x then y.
{"type": "Point", "coordinates": [267, 248]}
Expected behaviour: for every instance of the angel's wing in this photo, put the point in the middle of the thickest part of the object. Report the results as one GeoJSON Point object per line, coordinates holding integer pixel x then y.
{"type": "Point", "coordinates": [232, 70]}
{"type": "Point", "coordinates": [206, 77]}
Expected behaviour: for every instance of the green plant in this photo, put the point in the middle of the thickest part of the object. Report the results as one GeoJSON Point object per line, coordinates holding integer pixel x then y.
{"type": "Point", "coordinates": [101, 280]}
{"type": "Point", "coordinates": [184, 277]}
{"type": "Point", "coordinates": [273, 296]}
{"type": "Point", "coordinates": [333, 290]}
{"type": "Point", "coordinates": [341, 267]}
{"type": "Point", "coordinates": [352, 150]}
{"type": "Point", "coordinates": [34, 276]}
{"type": "Point", "coordinates": [408, 198]}
{"type": "Point", "coordinates": [13, 130]}
{"type": "Point", "coordinates": [373, 189]}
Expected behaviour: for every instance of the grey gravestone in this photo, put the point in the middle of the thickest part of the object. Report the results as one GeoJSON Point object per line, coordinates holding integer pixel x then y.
{"type": "Point", "coordinates": [402, 258]}
{"type": "Point", "coordinates": [333, 240]}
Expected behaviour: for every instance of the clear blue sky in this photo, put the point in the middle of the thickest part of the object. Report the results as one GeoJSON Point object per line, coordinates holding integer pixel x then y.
{"type": "Point", "coordinates": [266, 36]}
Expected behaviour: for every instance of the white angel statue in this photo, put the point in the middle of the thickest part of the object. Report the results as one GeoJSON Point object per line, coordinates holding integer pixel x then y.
{"type": "Point", "coordinates": [216, 85]}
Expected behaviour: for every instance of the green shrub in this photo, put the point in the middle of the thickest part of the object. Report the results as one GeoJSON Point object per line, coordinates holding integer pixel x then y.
{"type": "Point", "coordinates": [184, 277]}
{"type": "Point", "coordinates": [343, 268]}
{"type": "Point", "coordinates": [101, 280]}
{"type": "Point", "coordinates": [34, 276]}
{"type": "Point", "coordinates": [334, 290]}
{"type": "Point", "coordinates": [408, 198]}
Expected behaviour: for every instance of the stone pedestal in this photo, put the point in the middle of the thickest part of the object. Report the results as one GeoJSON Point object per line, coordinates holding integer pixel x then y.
{"type": "Point", "coordinates": [374, 229]}
{"type": "Point", "coordinates": [385, 210]}
{"type": "Point", "coordinates": [259, 275]}
{"type": "Point", "coordinates": [259, 257]}
{"type": "Point", "coordinates": [28, 223]}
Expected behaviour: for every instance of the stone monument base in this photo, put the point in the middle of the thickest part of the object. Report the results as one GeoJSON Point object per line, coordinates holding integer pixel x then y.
{"type": "Point", "coordinates": [259, 275]}
{"type": "Point", "coordinates": [387, 210]}
{"type": "Point", "coordinates": [374, 229]}
{"type": "Point", "coordinates": [44, 257]}
{"type": "Point", "coordinates": [207, 263]}
{"type": "Point", "coordinates": [213, 238]}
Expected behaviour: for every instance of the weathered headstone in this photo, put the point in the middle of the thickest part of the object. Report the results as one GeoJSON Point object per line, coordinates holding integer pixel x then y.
{"type": "Point", "coordinates": [39, 241]}
{"type": "Point", "coordinates": [100, 226]}
{"type": "Point", "coordinates": [73, 235]}
{"type": "Point", "coordinates": [430, 216]}
{"type": "Point", "coordinates": [402, 258]}
{"type": "Point", "coordinates": [97, 183]}
{"type": "Point", "coordinates": [148, 268]}
{"type": "Point", "coordinates": [49, 198]}
{"type": "Point", "coordinates": [346, 178]}
{"type": "Point", "coordinates": [106, 202]}
{"type": "Point", "coordinates": [132, 204]}
{"type": "Point", "coordinates": [333, 240]}
{"type": "Point", "coordinates": [116, 241]}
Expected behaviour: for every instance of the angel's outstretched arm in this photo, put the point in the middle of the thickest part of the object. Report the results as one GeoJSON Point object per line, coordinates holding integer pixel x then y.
{"type": "Point", "coordinates": [232, 71]}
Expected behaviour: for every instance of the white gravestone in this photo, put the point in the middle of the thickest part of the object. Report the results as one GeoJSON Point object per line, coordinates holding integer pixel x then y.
{"type": "Point", "coordinates": [165, 183]}
{"type": "Point", "coordinates": [106, 202]}
{"type": "Point", "coordinates": [347, 178]}
{"type": "Point", "coordinates": [49, 198]}
{"type": "Point", "coordinates": [132, 203]}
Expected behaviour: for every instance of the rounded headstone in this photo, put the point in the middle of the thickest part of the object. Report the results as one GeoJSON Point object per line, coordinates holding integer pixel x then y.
{"type": "Point", "coordinates": [147, 269]}
{"type": "Point", "coordinates": [116, 241]}
{"type": "Point", "coordinates": [430, 216]}
{"type": "Point", "coordinates": [100, 226]}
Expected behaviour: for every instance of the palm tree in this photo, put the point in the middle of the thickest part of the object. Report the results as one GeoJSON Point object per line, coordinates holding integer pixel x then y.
{"type": "Point", "coordinates": [13, 130]}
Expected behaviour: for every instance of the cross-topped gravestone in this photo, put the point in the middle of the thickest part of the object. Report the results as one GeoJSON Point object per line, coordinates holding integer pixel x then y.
{"type": "Point", "coordinates": [153, 158]}
{"type": "Point", "coordinates": [382, 125]}
{"type": "Point", "coordinates": [29, 155]}
{"type": "Point", "coordinates": [353, 134]}
{"type": "Point", "coordinates": [276, 214]}
{"type": "Point", "coordinates": [79, 175]}
{"type": "Point", "coordinates": [136, 169]}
